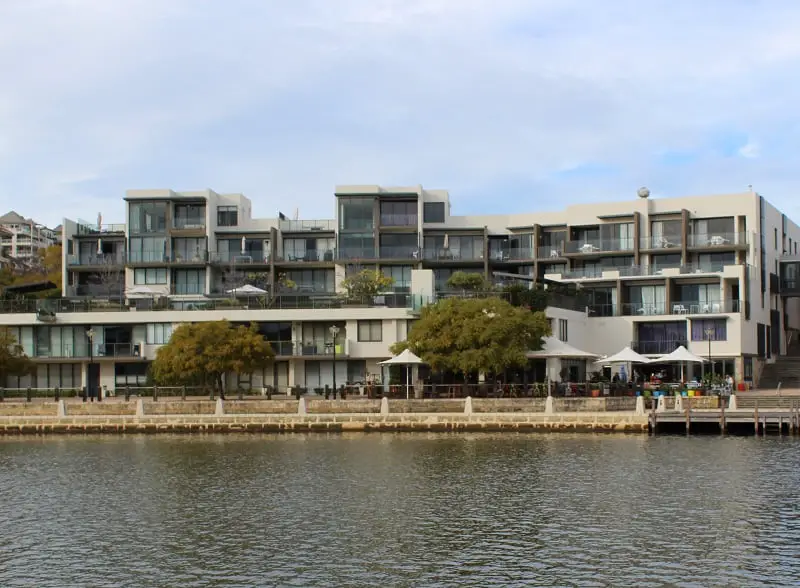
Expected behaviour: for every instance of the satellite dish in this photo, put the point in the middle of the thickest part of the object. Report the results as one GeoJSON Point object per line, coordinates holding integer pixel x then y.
{"type": "Point", "coordinates": [643, 192]}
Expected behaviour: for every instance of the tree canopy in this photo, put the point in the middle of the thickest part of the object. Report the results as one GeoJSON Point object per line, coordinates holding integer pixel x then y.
{"type": "Point", "coordinates": [45, 267]}
{"type": "Point", "coordinates": [199, 354]}
{"type": "Point", "coordinates": [13, 361]}
{"type": "Point", "coordinates": [468, 281]}
{"type": "Point", "coordinates": [475, 335]}
{"type": "Point", "coordinates": [365, 284]}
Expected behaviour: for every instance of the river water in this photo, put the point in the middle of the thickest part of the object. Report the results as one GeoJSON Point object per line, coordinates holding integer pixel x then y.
{"type": "Point", "coordinates": [399, 510]}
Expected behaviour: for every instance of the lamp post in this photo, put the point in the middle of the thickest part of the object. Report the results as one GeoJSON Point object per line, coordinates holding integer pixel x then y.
{"type": "Point", "coordinates": [90, 336]}
{"type": "Point", "coordinates": [334, 332]}
{"type": "Point", "coordinates": [709, 332]}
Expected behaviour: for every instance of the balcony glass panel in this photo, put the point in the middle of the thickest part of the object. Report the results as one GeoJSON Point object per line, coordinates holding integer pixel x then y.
{"type": "Point", "coordinates": [356, 214]}
{"type": "Point", "coordinates": [190, 216]}
{"type": "Point", "coordinates": [147, 217]}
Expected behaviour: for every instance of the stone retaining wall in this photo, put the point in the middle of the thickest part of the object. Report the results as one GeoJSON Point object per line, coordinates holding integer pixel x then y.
{"type": "Point", "coordinates": [341, 406]}
{"type": "Point", "coordinates": [426, 406]}
{"type": "Point", "coordinates": [482, 405]}
{"type": "Point", "coordinates": [611, 403]}
{"type": "Point", "coordinates": [512, 422]}
{"type": "Point", "coordinates": [96, 408]}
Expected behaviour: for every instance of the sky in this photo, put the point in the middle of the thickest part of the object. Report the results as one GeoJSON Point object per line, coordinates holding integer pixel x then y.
{"type": "Point", "coordinates": [511, 105]}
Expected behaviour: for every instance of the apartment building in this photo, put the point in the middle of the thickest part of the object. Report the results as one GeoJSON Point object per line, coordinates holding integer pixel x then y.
{"type": "Point", "coordinates": [714, 273]}
{"type": "Point", "coordinates": [22, 238]}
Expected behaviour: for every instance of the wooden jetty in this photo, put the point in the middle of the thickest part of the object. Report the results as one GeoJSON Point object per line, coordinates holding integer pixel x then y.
{"type": "Point", "coordinates": [750, 415]}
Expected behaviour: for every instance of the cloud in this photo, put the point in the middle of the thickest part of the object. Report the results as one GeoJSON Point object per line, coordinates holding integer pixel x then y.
{"type": "Point", "coordinates": [512, 105]}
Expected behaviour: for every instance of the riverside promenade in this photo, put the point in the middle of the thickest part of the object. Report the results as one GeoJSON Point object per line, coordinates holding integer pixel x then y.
{"type": "Point", "coordinates": [170, 415]}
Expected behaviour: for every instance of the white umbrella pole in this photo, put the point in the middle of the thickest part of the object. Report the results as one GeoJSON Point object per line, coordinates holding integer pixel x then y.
{"type": "Point", "coordinates": [408, 380]}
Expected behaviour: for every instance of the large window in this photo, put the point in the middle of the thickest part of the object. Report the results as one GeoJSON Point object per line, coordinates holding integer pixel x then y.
{"type": "Point", "coordinates": [158, 333]}
{"type": "Point", "coordinates": [656, 338]}
{"type": "Point", "coordinates": [647, 299]}
{"type": "Point", "coordinates": [130, 374]}
{"type": "Point", "coordinates": [227, 216]}
{"type": "Point", "coordinates": [370, 331]}
{"type": "Point", "coordinates": [706, 228]}
{"type": "Point", "coordinates": [398, 214]}
{"type": "Point", "coordinates": [665, 234]}
{"type": "Point", "coordinates": [433, 212]}
{"type": "Point", "coordinates": [713, 329]}
{"type": "Point", "coordinates": [148, 217]}
{"type": "Point", "coordinates": [189, 281]}
{"type": "Point", "coordinates": [399, 246]}
{"type": "Point", "coordinates": [148, 249]}
{"type": "Point", "coordinates": [189, 249]}
{"type": "Point", "coordinates": [309, 249]}
{"type": "Point", "coordinates": [454, 247]}
{"type": "Point", "coordinates": [401, 274]}
{"type": "Point", "coordinates": [356, 246]}
{"type": "Point", "coordinates": [355, 214]}
{"type": "Point", "coordinates": [617, 236]}
{"type": "Point", "coordinates": [317, 280]}
{"type": "Point", "coordinates": [699, 293]}
{"type": "Point", "coordinates": [667, 260]}
{"type": "Point", "coordinates": [563, 333]}
{"type": "Point", "coordinates": [190, 216]}
{"type": "Point", "coordinates": [715, 262]}
{"type": "Point", "coordinates": [150, 275]}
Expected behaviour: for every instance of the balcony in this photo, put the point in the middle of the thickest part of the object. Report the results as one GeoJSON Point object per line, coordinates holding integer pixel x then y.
{"type": "Point", "coordinates": [93, 229]}
{"type": "Point", "coordinates": [355, 253]}
{"type": "Point", "coordinates": [595, 246]}
{"type": "Point", "coordinates": [646, 270]}
{"type": "Point", "coordinates": [658, 347]}
{"type": "Point", "coordinates": [192, 222]}
{"type": "Point", "coordinates": [682, 308]}
{"type": "Point", "coordinates": [97, 259]}
{"type": "Point", "coordinates": [451, 255]}
{"type": "Point", "coordinates": [189, 258]}
{"type": "Point", "coordinates": [111, 290]}
{"type": "Point", "coordinates": [550, 251]}
{"type": "Point", "coordinates": [790, 286]}
{"type": "Point", "coordinates": [117, 350]}
{"type": "Point", "coordinates": [399, 220]}
{"type": "Point", "coordinates": [147, 257]}
{"type": "Point", "coordinates": [718, 240]}
{"type": "Point", "coordinates": [99, 350]}
{"type": "Point", "coordinates": [310, 255]}
{"type": "Point", "coordinates": [237, 258]}
{"type": "Point", "coordinates": [661, 242]}
{"type": "Point", "coordinates": [602, 309]}
{"type": "Point", "coordinates": [302, 226]}
{"type": "Point", "coordinates": [402, 253]}
{"type": "Point", "coordinates": [308, 349]}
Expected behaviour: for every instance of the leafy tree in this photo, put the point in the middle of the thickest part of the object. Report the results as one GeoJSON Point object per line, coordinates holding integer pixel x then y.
{"type": "Point", "coordinates": [200, 354]}
{"type": "Point", "coordinates": [475, 335]}
{"type": "Point", "coordinates": [366, 284]}
{"type": "Point", "coordinates": [468, 281]}
{"type": "Point", "coordinates": [536, 298]}
{"type": "Point", "coordinates": [13, 361]}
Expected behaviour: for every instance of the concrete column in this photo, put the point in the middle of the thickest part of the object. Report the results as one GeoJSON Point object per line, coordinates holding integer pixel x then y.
{"type": "Point", "coordinates": [678, 402]}
{"type": "Point", "coordinates": [639, 405]}
{"type": "Point", "coordinates": [468, 405]}
{"type": "Point", "coordinates": [661, 405]}
{"type": "Point", "coordinates": [384, 406]}
{"type": "Point", "coordinates": [732, 403]}
{"type": "Point", "coordinates": [548, 405]}
{"type": "Point", "coordinates": [139, 407]}
{"type": "Point", "coordinates": [301, 406]}
{"type": "Point", "coordinates": [220, 408]}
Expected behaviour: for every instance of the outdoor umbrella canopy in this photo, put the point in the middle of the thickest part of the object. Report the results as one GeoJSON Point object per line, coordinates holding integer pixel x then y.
{"type": "Point", "coordinates": [247, 290]}
{"type": "Point", "coordinates": [553, 347]}
{"type": "Point", "coordinates": [406, 358]}
{"type": "Point", "coordinates": [627, 355]}
{"type": "Point", "coordinates": [680, 354]}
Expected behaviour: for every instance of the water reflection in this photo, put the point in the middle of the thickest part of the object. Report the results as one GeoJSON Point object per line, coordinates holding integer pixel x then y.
{"type": "Point", "coordinates": [398, 510]}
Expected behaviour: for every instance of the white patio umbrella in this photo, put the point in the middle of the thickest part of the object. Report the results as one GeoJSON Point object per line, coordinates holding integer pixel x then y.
{"type": "Point", "coordinates": [627, 356]}
{"type": "Point", "coordinates": [681, 355]}
{"type": "Point", "coordinates": [141, 292]}
{"type": "Point", "coordinates": [247, 290]}
{"type": "Point", "coordinates": [554, 347]}
{"type": "Point", "coordinates": [406, 358]}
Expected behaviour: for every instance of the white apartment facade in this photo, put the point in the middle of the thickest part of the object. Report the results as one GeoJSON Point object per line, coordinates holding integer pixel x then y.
{"type": "Point", "coordinates": [22, 238]}
{"type": "Point", "coordinates": [652, 273]}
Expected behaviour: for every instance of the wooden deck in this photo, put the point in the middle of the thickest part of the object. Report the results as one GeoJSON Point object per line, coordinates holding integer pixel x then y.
{"type": "Point", "coordinates": [748, 420]}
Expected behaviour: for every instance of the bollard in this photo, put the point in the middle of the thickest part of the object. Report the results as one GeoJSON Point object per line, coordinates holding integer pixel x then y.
{"type": "Point", "coordinates": [219, 410]}
{"type": "Point", "coordinates": [468, 405]}
{"type": "Point", "coordinates": [384, 406]}
{"type": "Point", "coordinates": [640, 405]}
{"type": "Point", "coordinates": [28, 394]}
{"type": "Point", "coordinates": [301, 406]}
{"type": "Point", "coordinates": [85, 393]}
{"type": "Point", "coordinates": [183, 392]}
{"type": "Point", "coordinates": [127, 393]}
{"type": "Point", "coordinates": [155, 393]}
{"type": "Point", "coordinates": [549, 407]}
{"type": "Point", "coordinates": [58, 394]}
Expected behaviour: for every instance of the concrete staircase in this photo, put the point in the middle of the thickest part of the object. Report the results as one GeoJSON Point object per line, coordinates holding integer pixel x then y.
{"type": "Point", "coordinates": [785, 370]}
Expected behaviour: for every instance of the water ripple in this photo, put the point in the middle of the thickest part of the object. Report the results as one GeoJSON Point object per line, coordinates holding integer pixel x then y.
{"type": "Point", "coordinates": [398, 510]}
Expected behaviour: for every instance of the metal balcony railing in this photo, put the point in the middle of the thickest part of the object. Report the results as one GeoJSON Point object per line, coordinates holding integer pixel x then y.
{"type": "Point", "coordinates": [98, 259]}
{"type": "Point", "coordinates": [188, 257]}
{"type": "Point", "coordinates": [117, 350]}
{"type": "Point", "coordinates": [451, 255]}
{"type": "Point", "coordinates": [718, 240]}
{"type": "Point", "coordinates": [550, 251]}
{"type": "Point", "coordinates": [238, 258]}
{"type": "Point", "coordinates": [311, 255]}
{"type": "Point", "coordinates": [412, 253]}
{"type": "Point", "coordinates": [147, 256]}
{"type": "Point", "coordinates": [356, 253]}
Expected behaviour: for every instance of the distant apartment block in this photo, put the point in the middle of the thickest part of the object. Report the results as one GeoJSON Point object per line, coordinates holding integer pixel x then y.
{"type": "Point", "coordinates": [22, 238]}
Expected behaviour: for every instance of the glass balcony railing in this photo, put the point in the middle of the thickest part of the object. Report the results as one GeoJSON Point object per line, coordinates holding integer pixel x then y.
{"type": "Point", "coordinates": [685, 307]}
{"type": "Point", "coordinates": [190, 257]}
{"type": "Point", "coordinates": [299, 226]}
{"type": "Point", "coordinates": [355, 253]}
{"type": "Point", "coordinates": [718, 240]}
{"type": "Point", "coordinates": [191, 222]}
{"type": "Point", "coordinates": [451, 255]}
{"type": "Point", "coordinates": [646, 270]}
{"type": "Point", "coordinates": [99, 259]}
{"type": "Point", "coordinates": [400, 253]}
{"type": "Point", "coordinates": [590, 246]}
{"type": "Point", "coordinates": [660, 242]}
{"type": "Point", "coordinates": [238, 258]}
{"type": "Point", "coordinates": [309, 255]}
{"type": "Point", "coordinates": [602, 309]}
{"type": "Point", "coordinates": [187, 289]}
{"type": "Point", "coordinates": [550, 251]}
